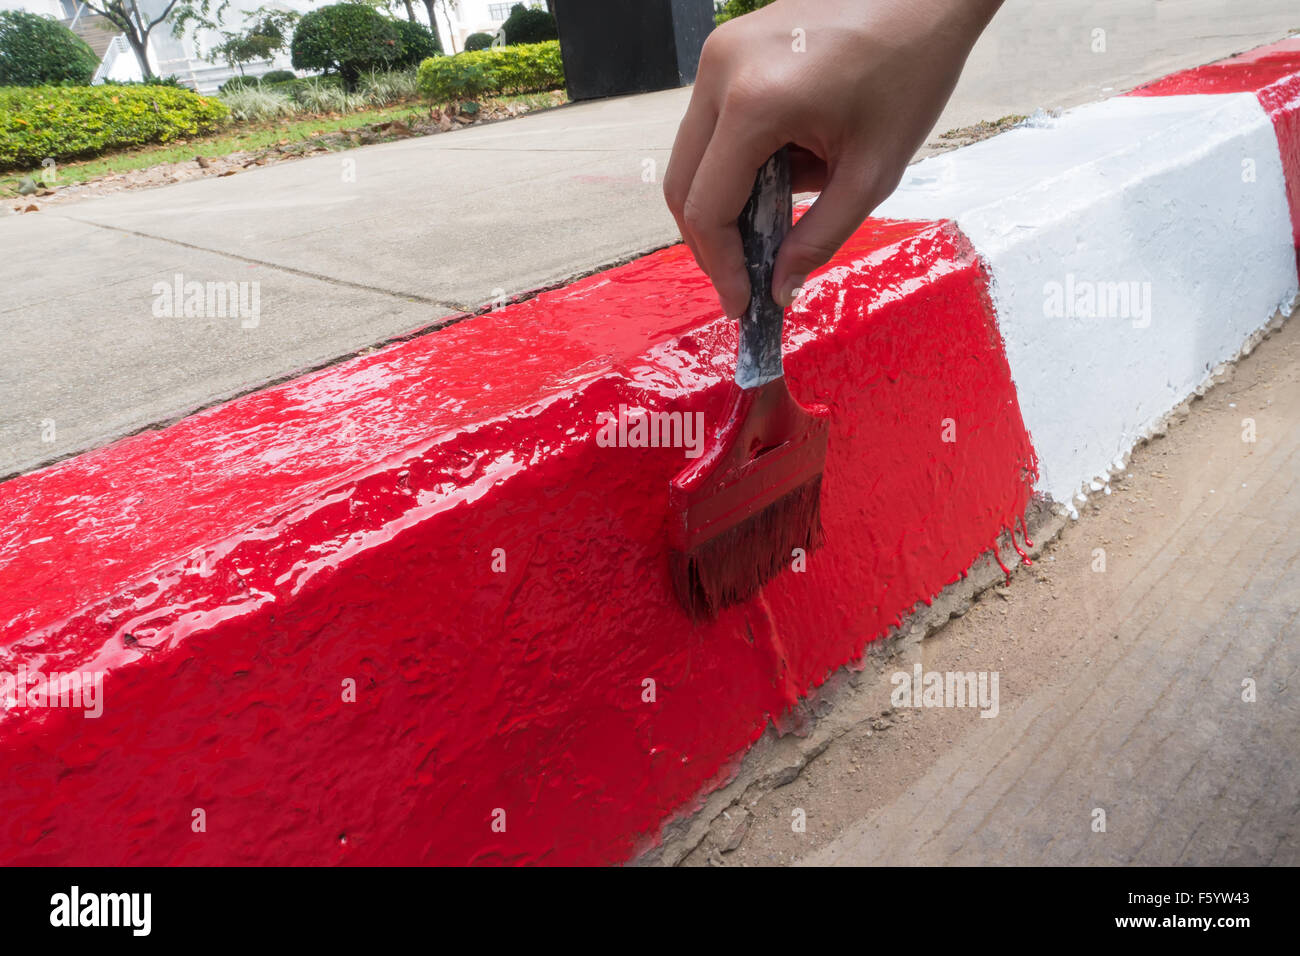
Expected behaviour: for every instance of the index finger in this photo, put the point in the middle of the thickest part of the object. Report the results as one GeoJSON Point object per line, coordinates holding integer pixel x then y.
{"type": "Point", "coordinates": [692, 139]}
{"type": "Point", "coordinates": [718, 193]}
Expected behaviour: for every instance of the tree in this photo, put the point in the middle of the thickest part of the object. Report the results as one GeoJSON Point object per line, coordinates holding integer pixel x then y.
{"type": "Point", "coordinates": [349, 39]}
{"type": "Point", "coordinates": [36, 50]}
{"type": "Point", "coordinates": [390, 5]}
{"type": "Point", "coordinates": [416, 43]}
{"type": "Point", "coordinates": [528, 25]}
{"type": "Point", "coordinates": [267, 34]}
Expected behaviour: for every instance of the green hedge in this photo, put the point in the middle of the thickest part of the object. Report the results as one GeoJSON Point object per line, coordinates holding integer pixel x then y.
{"type": "Point", "coordinates": [526, 68]}
{"type": "Point", "coordinates": [73, 122]}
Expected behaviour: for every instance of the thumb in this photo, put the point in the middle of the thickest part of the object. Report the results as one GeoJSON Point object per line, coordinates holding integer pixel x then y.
{"type": "Point", "coordinates": [841, 208]}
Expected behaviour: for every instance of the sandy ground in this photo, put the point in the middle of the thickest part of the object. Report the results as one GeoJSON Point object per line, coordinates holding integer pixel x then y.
{"type": "Point", "coordinates": [1120, 690]}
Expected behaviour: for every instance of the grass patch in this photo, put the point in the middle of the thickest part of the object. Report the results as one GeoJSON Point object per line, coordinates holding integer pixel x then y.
{"type": "Point", "coordinates": [982, 130]}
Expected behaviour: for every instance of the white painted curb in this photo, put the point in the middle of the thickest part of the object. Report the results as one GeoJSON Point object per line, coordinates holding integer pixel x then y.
{"type": "Point", "coordinates": [1169, 211]}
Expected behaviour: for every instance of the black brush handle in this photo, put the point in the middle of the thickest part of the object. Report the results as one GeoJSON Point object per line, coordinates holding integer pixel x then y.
{"type": "Point", "coordinates": [763, 225]}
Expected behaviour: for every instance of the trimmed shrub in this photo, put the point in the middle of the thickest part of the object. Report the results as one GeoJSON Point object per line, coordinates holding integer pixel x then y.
{"type": "Point", "coordinates": [529, 25]}
{"type": "Point", "coordinates": [417, 43]}
{"type": "Point", "coordinates": [492, 72]}
{"type": "Point", "coordinates": [346, 38]}
{"type": "Point", "coordinates": [277, 76]}
{"type": "Point", "coordinates": [64, 122]}
{"type": "Point", "coordinates": [39, 51]}
{"type": "Point", "coordinates": [477, 41]}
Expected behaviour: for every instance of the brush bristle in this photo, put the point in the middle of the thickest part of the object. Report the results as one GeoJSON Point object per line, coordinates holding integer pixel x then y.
{"type": "Point", "coordinates": [731, 567]}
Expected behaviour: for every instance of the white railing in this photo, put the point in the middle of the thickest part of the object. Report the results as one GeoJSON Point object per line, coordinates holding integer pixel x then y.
{"type": "Point", "coordinates": [200, 75]}
{"type": "Point", "coordinates": [116, 47]}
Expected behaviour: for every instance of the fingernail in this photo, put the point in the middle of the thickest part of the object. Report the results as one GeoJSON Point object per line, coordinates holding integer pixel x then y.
{"type": "Point", "coordinates": [790, 291]}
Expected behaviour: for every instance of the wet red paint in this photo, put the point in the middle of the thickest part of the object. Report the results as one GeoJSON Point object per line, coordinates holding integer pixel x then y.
{"type": "Point", "coordinates": [1020, 552]}
{"type": "Point", "coordinates": [1248, 72]}
{"type": "Point", "coordinates": [1272, 73]}
{"type": "Point", "coordinates": [232, 571]}
{"type": "Point", "coordinates": [1006, 571]}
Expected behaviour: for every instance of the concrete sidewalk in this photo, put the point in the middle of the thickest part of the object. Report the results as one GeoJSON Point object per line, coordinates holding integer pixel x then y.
{"type": "Point", "coordinates": [351, 250]}
{"type": "Point", "coordinates": [1123, 657]}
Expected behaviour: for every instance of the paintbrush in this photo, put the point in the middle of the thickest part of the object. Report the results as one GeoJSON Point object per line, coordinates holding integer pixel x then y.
{"type": "Point", "coordinates": [740, 511]}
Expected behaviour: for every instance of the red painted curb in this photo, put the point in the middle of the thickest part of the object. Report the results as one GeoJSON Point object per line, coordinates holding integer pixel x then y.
{"type": "Point", "coordinates": [232, 572]}
{"type": "Point", "coordinates": [1272, 73]}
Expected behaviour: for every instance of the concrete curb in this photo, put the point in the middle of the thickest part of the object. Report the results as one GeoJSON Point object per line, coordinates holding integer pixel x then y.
{"type": "Point", "coordinates": [1134, 245]}
{"type": "Point", "coordinates": [412, 608]}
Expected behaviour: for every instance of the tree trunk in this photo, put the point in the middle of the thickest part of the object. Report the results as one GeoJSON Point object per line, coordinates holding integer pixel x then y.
{"type": "Point", "coordinates": [410, 10]}
{"type": "Point", "coordinates": [140, 47]}
{"type": "Point", "coordinates": [138, 36]}
{"type": "Point", "coordinates": [430, 6]}
{"type": "Point", "coordinates": [451, 36]}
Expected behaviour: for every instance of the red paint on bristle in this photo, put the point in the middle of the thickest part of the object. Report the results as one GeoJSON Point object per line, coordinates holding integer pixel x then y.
{"type": "Point", "coordinates": [731, 567]}
{"type": "Point", "coordinates": [737, 514]}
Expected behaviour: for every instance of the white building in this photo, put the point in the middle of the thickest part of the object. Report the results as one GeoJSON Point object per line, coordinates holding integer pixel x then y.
{"type": "Point", "coordinates": [472, 16]}
{"type": "Point", "coordinates": [186, 57]}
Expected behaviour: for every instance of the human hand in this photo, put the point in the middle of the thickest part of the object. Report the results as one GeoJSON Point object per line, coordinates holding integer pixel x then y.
{"type": "Point", "coordinates": [855, 103]}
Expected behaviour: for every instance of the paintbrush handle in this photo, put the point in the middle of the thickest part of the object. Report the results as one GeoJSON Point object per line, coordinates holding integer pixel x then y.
{"type": "Point", "coordinates": [763, 225]}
